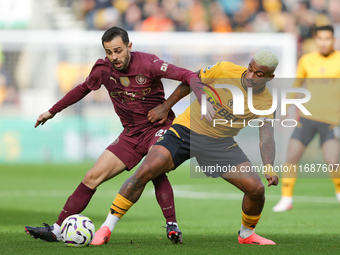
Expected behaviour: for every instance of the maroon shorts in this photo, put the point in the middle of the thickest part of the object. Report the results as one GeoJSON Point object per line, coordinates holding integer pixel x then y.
{"type": "Point", "coordinates": [130, 149]}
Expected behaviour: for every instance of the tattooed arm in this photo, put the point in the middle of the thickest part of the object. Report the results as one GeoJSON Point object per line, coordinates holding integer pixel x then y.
{"type": "Point", "coordinates": [267, 149]}
{"type": "Point", "coordinates": [267, 144]}
{"type": "Point", "coordinates": [160, 112]}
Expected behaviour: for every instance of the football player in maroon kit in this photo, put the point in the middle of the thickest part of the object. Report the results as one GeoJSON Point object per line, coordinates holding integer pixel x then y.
{"type": "Point", "coordinates": [133, 82]}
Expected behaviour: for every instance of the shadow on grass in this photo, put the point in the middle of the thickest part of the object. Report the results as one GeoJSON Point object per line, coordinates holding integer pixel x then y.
{"type": "Point", "coordinates": [193, 244]}
{"type": "Point", "coordinates": [145, 239]}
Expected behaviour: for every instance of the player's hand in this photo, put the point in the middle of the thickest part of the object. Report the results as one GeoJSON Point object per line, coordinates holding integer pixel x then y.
{"type": "Point", "coordinates": [160, 113]}
{"type": "Point", "coordinates": [43, 118]}
{"type": "Point", "coordinates": [210, 112]}
{"type": "Point", "coordinates": [272, 180]}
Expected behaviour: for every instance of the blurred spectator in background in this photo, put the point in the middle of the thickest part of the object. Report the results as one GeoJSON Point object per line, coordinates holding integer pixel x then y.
{"type": "Point", "coordinates": [101, 14]}
{"type": "Point", "coordinates": [297, 17]}
{"type": "Point", "coordinates": [220, 22]}
{"type": "Point", "coordinates": [133, 18]}
{"type": "Point", "coordinates": [156, 20]}
{"type": "Point", "coordinates": [198, 17]}
{"type": "Point", "coordinates": [3, 80]}
{"type": "Point", "coordinates": [8, 93]}
{"type": "Point", "coordinates": [292, 16]}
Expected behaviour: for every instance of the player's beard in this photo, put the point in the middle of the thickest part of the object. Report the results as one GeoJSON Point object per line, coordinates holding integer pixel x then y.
{"type": "Point", "coordinates": [124, 63]}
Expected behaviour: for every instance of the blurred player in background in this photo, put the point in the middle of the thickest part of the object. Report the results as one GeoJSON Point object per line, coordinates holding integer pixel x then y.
{"type": "Point", "coordinates": [320, 66]}
{"type": "Point", "coordinates": [189, 134]}
{"type": "Point", "coordinates": [133, 81]}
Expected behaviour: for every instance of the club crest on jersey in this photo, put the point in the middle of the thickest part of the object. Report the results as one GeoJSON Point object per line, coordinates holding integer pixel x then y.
{"type": "Point", "coordinates": [124, 80]}
{"type": "Point", "coordinates": [141, 79]}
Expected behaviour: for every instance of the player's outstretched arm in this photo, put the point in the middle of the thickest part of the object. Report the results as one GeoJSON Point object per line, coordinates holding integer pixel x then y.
{"type": "Point", "coordinates": [160, 112]}
{"type": "Point", "coordinates": [267, 149]}
{"type": "Point", "coordinates": [92, 82]}
{"type": "Point", "coordinates": [43, 118]}
{"type": "Point", "coordinates": [73, 96]}
{"type": "Point", "coordinates": [161, 69]}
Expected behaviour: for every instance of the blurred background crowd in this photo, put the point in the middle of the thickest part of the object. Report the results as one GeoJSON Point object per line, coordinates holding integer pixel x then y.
{"type": "Point", "coordinates": [297, 17]}
{"type": "Point", "coordinates": [293, 16]}
{"type": "Point", "coordinates": [47, 47]}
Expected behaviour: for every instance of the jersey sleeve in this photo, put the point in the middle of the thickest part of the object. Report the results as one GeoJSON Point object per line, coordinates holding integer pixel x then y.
{"type": "Point", "coordinates": [210, 73]}
{"type": "Point", "coordinates": [73, 96]}
{"type": "Point", "coordinates": [267, 118]}
{"type": "Point", "coordinates": [92, 82]}
{"type": "Point", "coordinates": [161, 69]}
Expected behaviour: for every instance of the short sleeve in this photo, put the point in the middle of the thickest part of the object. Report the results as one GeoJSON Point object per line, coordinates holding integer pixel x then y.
{"type": "Point", "coordinates": [268, 118]}
{"type": "Point", "coordinates": [162, 69]}
{"type": "Point", "coordinates": [209, 73]}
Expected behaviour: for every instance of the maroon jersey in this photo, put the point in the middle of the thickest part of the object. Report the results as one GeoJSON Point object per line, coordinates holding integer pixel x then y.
{"type": "Point", "coordinates": [134, 91]}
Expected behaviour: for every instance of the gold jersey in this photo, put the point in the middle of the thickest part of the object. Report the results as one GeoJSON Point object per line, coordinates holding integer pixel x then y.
{"type": "Point", "coordinates": [321, 76]}
{"type": "Point", "coordinates": [231, 74]}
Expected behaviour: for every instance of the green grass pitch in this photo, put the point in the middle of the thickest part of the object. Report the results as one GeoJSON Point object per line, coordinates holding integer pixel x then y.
{"type": "Point", "coordinates": [208, 213]}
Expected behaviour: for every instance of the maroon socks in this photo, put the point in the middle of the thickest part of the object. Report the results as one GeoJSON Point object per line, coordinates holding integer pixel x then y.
{"type": "Point", "coordinates": [76, 203]}
{"type": "Point", "coordinates": [165, 197]}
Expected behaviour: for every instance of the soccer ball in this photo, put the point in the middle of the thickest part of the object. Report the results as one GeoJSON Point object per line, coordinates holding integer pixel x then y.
{"type": "Point", "coordinates": [77, 230]}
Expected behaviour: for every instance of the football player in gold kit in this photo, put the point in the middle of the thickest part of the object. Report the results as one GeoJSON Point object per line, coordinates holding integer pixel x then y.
{"type": "Point", "coordinates": [213, 144]}
{"type": "Point", "coordinates": [318, 70]}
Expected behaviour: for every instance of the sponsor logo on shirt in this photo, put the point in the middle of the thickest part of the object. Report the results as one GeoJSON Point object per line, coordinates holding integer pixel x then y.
{"type": "Point", "coordinates": [141, 79]}
{"type": "Point", "coordinates": [207, 68]}
{"type": "Point", "coordinates": [111, 78]}
{"type": "Point", "coordinates": [127, 96]}
{"type": "Point", "coordinates": [211, 66]}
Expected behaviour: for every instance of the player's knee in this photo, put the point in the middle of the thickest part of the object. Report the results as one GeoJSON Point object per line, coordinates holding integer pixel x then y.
{"type": "Point", "coordinates": [92, 179]}
{"type": "Point", "coordinates": [257, 191]}
{"type": "Point", "coordinates": [144, 173]}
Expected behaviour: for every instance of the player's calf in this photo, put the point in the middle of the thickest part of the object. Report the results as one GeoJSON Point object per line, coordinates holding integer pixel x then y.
{"type": "Point", "coordinates": [255, 190]}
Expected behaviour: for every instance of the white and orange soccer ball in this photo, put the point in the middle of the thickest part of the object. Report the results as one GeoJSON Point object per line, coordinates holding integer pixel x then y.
{"type": "Point", "coordinates": [77, 230]}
